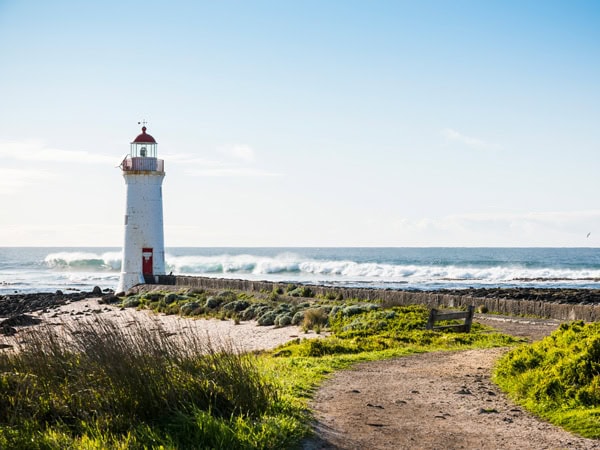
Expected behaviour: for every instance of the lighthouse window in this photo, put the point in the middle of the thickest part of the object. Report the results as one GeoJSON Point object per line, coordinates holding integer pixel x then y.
{"type": "Point", "coordinates": [126, 218]}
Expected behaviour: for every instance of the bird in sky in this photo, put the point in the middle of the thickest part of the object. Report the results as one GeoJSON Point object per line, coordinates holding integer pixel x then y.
{"type": "Point", "coordinates": [588, 235]}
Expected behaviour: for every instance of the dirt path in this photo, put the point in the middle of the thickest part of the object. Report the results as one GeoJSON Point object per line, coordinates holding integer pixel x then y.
{"type": "Point", "coordinates": [433, 401]}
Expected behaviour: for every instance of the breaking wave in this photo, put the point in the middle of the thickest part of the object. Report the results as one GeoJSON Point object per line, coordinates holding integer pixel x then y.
{"type": "Point", "coordinates": [294, 267]}
{"type": "Point", "coordinates": [298, 267]}
{"type": "Point", "coordinates": [108, 261]}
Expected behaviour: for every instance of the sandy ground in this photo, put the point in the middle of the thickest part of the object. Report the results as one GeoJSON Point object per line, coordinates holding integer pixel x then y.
{"type": "Point", "coordinates": [433, 401]}
{"type": "Point", "coordinates": [247, 336]}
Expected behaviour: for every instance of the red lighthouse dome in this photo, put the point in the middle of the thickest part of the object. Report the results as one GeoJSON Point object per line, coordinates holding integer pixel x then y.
{"type": "Point", "coordinates": [144, 138]}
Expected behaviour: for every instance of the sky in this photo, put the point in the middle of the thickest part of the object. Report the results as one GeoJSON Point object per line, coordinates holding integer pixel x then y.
{"type": "Point", "coordinates": [304, 123]}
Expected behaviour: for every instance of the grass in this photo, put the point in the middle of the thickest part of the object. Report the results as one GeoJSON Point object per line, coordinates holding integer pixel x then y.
{"type": "Point", "coordinates": [558, 378]}
{"type": "Point", "coordinates": [111, 388]}
{"type": "Point", "coordinates": [135, 388]}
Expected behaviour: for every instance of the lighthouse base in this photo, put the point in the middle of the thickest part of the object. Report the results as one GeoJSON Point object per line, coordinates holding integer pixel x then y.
{"type": "Point", "coordinates": [130, 279]}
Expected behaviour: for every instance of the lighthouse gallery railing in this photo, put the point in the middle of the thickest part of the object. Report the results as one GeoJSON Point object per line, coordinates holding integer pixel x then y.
{"type": "Point", "coordinates": [143, 164]}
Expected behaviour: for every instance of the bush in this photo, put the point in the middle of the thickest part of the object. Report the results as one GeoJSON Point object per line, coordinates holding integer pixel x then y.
{"type": "Point", "coordinates": [190, 309]}
{"type": "Point", "coordinates": [213, 302]}
{"type": "Point", "coordinates": [358, 309]}
{"type": "Point", "coordinates": [283, 320]}
{"type": "Point", "coordinates": [314, 317]}
{"type": "Point", "coordinates": [298, 318]}
{"type": "Point", "coordinates": [267, 318]}
{"type": "Point", "coordinates": [131, 302]}
{"type": "Point", "coordinates": [227, 296]}
{"type": "Point", "coordinates": [237, 305]}
{"type": "Point", "coordinates": [301, 291]}
{"type": "Point", "coordinates": [171, 297]}
{"type": "Point", "coordinates": [558, 377]}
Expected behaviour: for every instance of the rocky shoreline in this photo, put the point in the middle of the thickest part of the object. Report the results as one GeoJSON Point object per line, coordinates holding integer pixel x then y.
{"type": "Point", "coordinates": [548, 295]}
{"type": "Point", "coordinates": [14, 308]}
{"type": "Point", "coordinates": [15, 304]}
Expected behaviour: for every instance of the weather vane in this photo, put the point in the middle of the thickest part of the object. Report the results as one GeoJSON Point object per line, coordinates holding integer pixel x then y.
{"type": "Point", "coordinates": [143, 122]}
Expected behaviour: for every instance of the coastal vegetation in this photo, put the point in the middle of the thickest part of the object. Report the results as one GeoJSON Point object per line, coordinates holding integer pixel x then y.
{"type": "Point", "coordinates": [558, 378]}
{"type": "Point", "coordinates": [104, 386]}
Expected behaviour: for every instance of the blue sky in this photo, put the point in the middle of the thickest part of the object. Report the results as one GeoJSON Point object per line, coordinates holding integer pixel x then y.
{"type": "Point", "coordinates": [312, 123]}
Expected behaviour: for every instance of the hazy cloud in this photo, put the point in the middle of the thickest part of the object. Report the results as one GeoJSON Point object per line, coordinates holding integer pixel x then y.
{"type": "Point", "coordinates": [469, 141]}
{"type": "Point", "coordinates": [238, 162]}
{"type": "Point", "coordinates": [239, 151]}
{"type": "Point", "coordinates": [232, 172]}
{"type": "Point", "coordinates": [11, 180]}
{"type": "Point", "coordinates": [34, 150]}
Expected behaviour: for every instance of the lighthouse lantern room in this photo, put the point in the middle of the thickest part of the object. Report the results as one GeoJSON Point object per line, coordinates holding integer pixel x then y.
{"type": "Point", "coordinates": [143, 248]}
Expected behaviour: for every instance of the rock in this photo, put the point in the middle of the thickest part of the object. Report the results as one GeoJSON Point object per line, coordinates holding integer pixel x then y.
{"type": "Point", "coordinates": [8, 331]}
{"type": "Point", "coordinates": [464, 391]}
{"type": "Point", "coordinates": [20, 320]}
{"type": "Point", "coordinates": [97, 291]}
{"type": "Point", "coordinates": [108, 299]}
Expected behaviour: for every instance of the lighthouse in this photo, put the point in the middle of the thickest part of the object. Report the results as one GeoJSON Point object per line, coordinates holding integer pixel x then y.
{"type": "Point", "coordinates": [143, 248]}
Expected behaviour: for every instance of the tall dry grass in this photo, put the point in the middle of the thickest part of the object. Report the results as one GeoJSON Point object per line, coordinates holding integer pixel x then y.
{"type": "Point", "coordinates": [99, 375]}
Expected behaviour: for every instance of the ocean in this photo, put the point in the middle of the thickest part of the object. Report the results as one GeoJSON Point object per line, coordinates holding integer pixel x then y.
{"type": "Point", "coordinates": [42, 269]}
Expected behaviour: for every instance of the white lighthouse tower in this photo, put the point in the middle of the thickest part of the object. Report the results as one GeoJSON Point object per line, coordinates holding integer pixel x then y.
{"type": "Point", "coordinates": [143, 248]}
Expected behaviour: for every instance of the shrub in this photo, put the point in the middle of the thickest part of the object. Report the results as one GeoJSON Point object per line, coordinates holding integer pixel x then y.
{"type": "Point", "coordinates": [314, 317]}
{"type": "Point", "coordinates": [131, 302]}
{"type": "Point", "coordinates": [213, 302]}
{"type": "Point", "coordinates": [283, 320]}
{"type": "Point", "coordinates": [237, 305]}
{"type": "Point", "coordinates": [171, 297]}
{"type": "Point", "coordinates": [153, 296]}
{"type": "Point", "coordinates": [267, 318]}
{"type": "Point", "coordinates": [189, 309]}
{"type": "Point", "coordinates": [558, 377]}
{"type": "Point", "coordinates": [227, 296]}
{"type": "Point", "coordinates": [358, 309]}
{"type": "Point", "coordinates": [196, 291]}
{"type": "Point", "coordinates": [301, 291]}
{"type": "Point", "coordinates": [298, 318]}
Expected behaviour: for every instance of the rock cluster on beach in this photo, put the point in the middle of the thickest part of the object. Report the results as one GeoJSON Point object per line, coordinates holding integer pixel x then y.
{"type": "Point", "coordinates": [549, 295]}
{"type": "Point", "coordinates": [14, 304]}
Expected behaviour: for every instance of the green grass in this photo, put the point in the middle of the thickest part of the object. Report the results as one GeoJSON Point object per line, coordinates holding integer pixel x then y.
{"type": "Point", "coordinates": [135, 388]}
{"type": "Point", "coordinates": [558, 378]}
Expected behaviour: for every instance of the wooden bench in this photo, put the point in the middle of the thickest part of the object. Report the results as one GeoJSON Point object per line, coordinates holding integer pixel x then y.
{"type": "Point", "coordinates": [440, 315]}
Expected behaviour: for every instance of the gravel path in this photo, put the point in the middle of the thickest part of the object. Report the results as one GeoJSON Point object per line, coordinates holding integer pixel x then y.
{"type": "Point", "coordinates": [433, 401]}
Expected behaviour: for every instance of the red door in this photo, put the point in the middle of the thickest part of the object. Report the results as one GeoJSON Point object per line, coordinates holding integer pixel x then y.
{"type": "Point", "coordinates": [147, 261]}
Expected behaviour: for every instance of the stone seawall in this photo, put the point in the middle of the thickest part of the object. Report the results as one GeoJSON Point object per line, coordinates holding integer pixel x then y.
{"type": "Point", "coordinates": [551, 310]}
